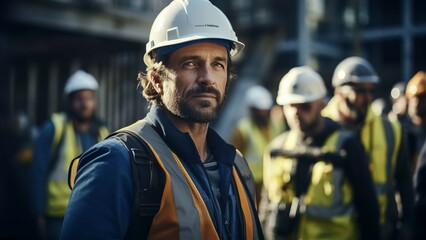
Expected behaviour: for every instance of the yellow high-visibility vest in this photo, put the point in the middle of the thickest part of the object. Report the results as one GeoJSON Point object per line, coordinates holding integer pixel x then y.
{"type": "Point", "coordinates": [329, 213]}
{"type": "Point", "coordinates": [256, 142]}
{"type": "Point", "coordinates": [58, 191]}
{"type": "Point", "coordinates": [381, 139]}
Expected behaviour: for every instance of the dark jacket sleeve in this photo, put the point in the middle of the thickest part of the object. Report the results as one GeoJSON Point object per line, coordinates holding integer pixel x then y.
{"type": "Point", "coordinates": [40, 167]}
{"type": "Point", "coordinates": [404, 184]}
{"type": "Point", "coordinates": [420, 190]}
{"type": "Point", "coordinates": [102, 198]}
{"type": "Point", "coordinates": [365, 201]}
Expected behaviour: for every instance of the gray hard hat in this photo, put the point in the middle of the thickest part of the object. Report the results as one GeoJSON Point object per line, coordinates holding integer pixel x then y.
{"type": "Point", "coordinates": [354, 70]}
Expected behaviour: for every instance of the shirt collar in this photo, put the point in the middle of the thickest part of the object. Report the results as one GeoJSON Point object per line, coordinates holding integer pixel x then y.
{"type": "Point", "coordinates": [182, 144]}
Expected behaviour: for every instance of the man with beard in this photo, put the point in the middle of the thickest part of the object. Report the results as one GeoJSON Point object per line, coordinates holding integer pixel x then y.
{"type": "Point", "coordinates": [200, 179]}
{"type": "Point", "coordinates": [255, 131]}
{"type": "Point", "coordinates": [312, 195]}
{"type": "Point", "coordinates": [416, 95]}
{"type": "Point", "coordinates": [354, 80]}
{"type": "Point", "coordinates": [59, 140]}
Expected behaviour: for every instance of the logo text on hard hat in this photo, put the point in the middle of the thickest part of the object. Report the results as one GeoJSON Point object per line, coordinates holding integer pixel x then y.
{"type": "Point", "coordinates": [207, 25]}
{"type": "Point", "coordinates": [295, 87]}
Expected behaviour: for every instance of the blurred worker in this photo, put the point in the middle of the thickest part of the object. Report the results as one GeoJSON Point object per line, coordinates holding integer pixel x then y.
{"type": "Point", "coordinates": [416, 95]}
{"type": "Point", "coordinates": [59, 140]}
{"type": "Point", "coordinates": [399, 102]}
{"type": "Point", "coordinates": [201, 187]}
{"type": "Point", "coordinates": [316, 174]}
{"type": "Point", "coordinates": [354, 80]}
{"type": "Point", "coordinates": [255, 131]}
{"type": "Point", "coordinates": [16, 131]}
{"type": "Point", "coordinates": [420, 196]}
{"type": "Point", "coordinates": [379, 106]}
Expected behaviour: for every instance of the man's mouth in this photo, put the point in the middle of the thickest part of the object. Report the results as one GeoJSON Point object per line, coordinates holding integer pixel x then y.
{"type": "Point", "coordinates": [204, 95]}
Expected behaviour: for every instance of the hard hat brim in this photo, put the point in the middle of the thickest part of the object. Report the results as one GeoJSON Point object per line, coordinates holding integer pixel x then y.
{"type": "Point", "coordinates": [297, 99]}
{"type": "Point", "coordinates": [238, 46]}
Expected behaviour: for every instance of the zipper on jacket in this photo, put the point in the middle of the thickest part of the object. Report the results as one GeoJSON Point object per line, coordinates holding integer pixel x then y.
{"type": "Point", "coordinates": [228, 231]}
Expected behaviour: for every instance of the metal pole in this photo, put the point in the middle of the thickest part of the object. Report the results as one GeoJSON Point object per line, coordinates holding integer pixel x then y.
{"type": "Point", "coordinates": [356, 29]}
{"type": "Point", "coordinates": [303, 49]}
{"type": "Point", "coordinates": [407, 46]}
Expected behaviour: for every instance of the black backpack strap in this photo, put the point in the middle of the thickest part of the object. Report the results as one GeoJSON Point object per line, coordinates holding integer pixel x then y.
{"type": "Point", "coordinates": [149, 182]}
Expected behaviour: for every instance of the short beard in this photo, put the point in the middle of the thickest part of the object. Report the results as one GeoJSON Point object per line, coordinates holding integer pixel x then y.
{"type": "Point", "coordinates": [81, 119]}
{"type": "Point", "coordinates": [260, 120]}
{"type": "Point", "coordinates": [177, 105]}
{"type": "Point", "coordinates": [310, 128]}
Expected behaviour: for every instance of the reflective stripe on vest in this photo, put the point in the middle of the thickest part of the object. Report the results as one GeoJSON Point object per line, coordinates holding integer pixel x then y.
{"type": "Point", "coordinates": [256, 143]}
{"type": "Point", "coordinates": [183, 213]}
{"type": "Point", "coordinates": [326, 195]}
{"type": "Point", "coordinates": [381, 140]}
{"type": "Point", "coordinates": [58, 191]}
{"type": "Point", "coordinates": [329, 199]}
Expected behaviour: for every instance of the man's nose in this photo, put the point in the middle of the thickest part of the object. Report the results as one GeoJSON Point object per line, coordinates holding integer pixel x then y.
{"type": "Point", "coordinates": [205, 76]}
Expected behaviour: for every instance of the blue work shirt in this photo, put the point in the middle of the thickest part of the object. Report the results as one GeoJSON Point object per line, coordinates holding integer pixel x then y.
{"type": "Point", "coordinates": [101, 202]}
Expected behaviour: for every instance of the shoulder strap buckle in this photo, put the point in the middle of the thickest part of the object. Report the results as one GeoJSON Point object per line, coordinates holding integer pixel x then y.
{"type": "Point", "coordinates": [148, 190]}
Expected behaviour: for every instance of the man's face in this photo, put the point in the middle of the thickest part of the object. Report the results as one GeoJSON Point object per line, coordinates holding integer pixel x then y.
{"type": "Point", "coordinates": [400, 106]}
{"type": "Point", "coordinates": [83, 104]}
{"type": "Point", "coordinates": [358, 96]}
{"type": "Point", "coordinates": [260, 116]}
{"type": "Point", "coordinates": [304, 116]}
{"type": "Point", "coordinates": [197, 89]}
{"type": "Point", "coordinates": [417, 106]}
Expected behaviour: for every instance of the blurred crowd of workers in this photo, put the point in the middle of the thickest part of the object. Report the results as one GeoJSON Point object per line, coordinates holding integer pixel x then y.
{"type": "Point", "coordinates": [339, 170]}
{"type": "Point", "coordinates": [323, 168]}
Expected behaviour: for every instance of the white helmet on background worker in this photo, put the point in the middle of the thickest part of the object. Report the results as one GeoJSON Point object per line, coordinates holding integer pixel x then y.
{"type": "Point", "coordinates": [80, 80]}
{"type": "Point", "coordinates": [185, 21]}
{"type": "Point", "coordinates": [301, 85]}
{"type": "Point", "coordinates": [354, 70]}
{"type": "Point", "coordinates": [259, 97]}
{"type": "Point", "coordinates": [398, 90]}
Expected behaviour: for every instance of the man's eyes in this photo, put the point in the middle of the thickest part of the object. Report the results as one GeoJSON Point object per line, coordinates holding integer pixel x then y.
{"type": "Point", "coordinates": [218, 64]}
{"type": "Point", "coordinates": [189, 64]}
{"type": "Point", "coordinates": [193, 64]}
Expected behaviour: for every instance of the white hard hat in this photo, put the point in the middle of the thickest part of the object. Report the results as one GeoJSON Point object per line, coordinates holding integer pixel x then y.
{"type": "Point", "coordinates": [81, 80]}
{"type": "Point", "coordinates": [354, 70]}
{"type": "Point", "coordinates": [259, 97]}
{"type": "Point", "coordinates": [301, 85]}
{"type": "Point", "coordinates": [398, 90]}
{"type": "Point", "coordinates": [189, 20]}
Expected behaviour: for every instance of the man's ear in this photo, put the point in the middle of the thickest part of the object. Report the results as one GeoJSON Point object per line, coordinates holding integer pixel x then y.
{"type": "Point", "coordinates": [156, 82]}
